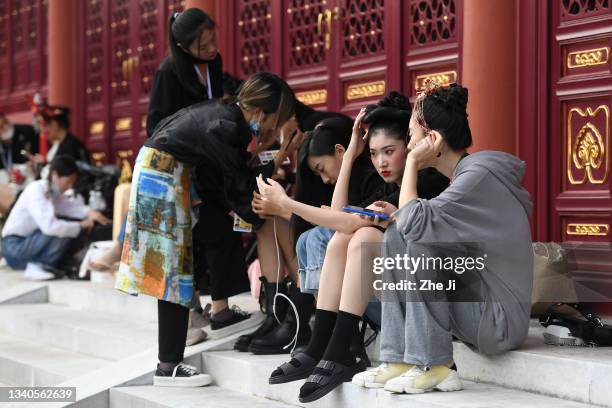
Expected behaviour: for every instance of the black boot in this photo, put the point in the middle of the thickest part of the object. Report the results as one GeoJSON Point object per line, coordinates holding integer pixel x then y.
{"type": "Point", "coordinates": [275, 341]}
{"type": "Point", "coordinates": [270, 323]}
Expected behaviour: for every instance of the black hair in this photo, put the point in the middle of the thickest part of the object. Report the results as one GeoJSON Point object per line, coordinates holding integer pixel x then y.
{"type": "Point", "coordinates": [309, 188]}
{"type": "Point", "coordinates": [185, 28]}
{"type": "Point", "coordinates": [59, 114]}
{"type": "Point", "coordinates": [267, 92]}
{"type": "Point", "coordinates": [63, 165]}
{"type": "Point", "coordinates": [445, 110]}
{"type": "Point", "coordinates": [391, 114]}
{"type": "Point", "coordinates": [231, 84]}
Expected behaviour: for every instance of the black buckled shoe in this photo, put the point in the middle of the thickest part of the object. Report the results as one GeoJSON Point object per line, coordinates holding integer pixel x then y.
{"type": "Point", "coordinates": [270, 322]}
{"type": "Point", "coordinates": [279, 340]}
{"type": "Point", "coordinates": [299, 367]}
{"type": "Point", "coordinates": [326, 376]}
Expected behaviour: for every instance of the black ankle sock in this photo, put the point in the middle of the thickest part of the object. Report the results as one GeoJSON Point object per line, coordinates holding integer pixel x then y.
{"type": "Point", "coordinates": [345, 330]}
{"type": "Point", "coordinates": [323, 327]}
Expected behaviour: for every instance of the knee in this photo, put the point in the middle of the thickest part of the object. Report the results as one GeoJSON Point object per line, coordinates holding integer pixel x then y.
{"type": "Point", "coordinates": [300, 246]}
{"type": "Point", "coordinates": [339, 241]}
{"type": "Point", "coordinates": [364, 236]}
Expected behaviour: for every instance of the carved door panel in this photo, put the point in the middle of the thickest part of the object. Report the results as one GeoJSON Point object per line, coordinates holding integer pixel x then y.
{"type": "Point", "coordinates": [367, 47]}
{"type": "Point", "coordinates": [123, 45]}
{"type": "Point", "coordinates": [23, 52]}
{"type": "Point", "coordinates": [307, 48]}
{"type": "Point", "coordinates": [95, 67]}
{"type": "Point", "coordinates": [432, 42]}
{"type": "Point", "coordinates": [580, 121]}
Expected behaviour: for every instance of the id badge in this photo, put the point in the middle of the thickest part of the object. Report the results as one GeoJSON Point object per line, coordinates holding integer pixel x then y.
{"type": "Point", "coordinates": [241, 225]}
{"type": "Point", "coordinates": [267, 156]}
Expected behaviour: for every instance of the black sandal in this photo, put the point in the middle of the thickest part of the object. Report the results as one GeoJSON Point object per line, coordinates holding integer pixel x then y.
{"type": "Point", "coordinates": [298, 368]}
{"type": "Point", "coordinates": [327, 376]}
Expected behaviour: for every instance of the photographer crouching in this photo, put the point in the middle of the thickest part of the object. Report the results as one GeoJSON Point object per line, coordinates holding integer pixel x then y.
{"type": "Point", "coordinates": [46, 227]}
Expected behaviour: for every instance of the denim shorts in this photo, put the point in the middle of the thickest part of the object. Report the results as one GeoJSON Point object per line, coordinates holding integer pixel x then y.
{"type": "Point", "coordinates": [310, 248]}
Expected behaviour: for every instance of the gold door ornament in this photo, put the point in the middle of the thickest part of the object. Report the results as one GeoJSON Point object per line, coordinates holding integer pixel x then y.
{"type": "Point", "coordinates": [443, 78]}
{"type": "Point", "coordinates": [315, 97]}
{"type": "Point", "coordinates": [365, 90]}
{"type": "Point", "coordinates": [586, 58]}
{"type": "Point", "coordinates": [588, 229]}
{"type": "Point", "coordinates": [587, 152]}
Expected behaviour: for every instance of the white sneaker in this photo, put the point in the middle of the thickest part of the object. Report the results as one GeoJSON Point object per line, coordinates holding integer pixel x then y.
{"type": "Point", "coordinates": [377, 377]}
{"type": "Point", "coordinates": [417, 381]}
{"type": "Point", "coordinates": [183, 375]}
{"type": "Point", "coordinates": [35, 272]}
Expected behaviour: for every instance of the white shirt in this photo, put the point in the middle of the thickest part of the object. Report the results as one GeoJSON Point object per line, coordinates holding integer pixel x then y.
{"type": "Point", "coordinates": [37, 208]}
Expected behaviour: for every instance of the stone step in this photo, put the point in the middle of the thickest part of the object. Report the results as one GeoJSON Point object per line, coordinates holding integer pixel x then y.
{"type": "Point", "coordinates": [101, 297]}
{"type": "Point", "coordinates": [104, 298]}
{"type": "Point", "coordinates": [29, 363]}
{"type": "Point", "coordinates": [202, 397]}
{"type": "Point", "coordinates": [581, 374]}
{"type": "Point", "coordinates": [247, 373]}
{"type": "Point", "coordinates": [102, 335]}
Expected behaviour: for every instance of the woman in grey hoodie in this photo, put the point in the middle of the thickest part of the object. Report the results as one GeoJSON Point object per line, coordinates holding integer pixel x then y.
{"type": "Point", "coordinates": [431, 291]}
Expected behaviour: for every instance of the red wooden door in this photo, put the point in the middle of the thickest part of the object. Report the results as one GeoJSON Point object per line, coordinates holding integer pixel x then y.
{"type": "Point", "coordinates": [123, 45]}
{"type": "Point", "coordinates": [580, 126]}
{"type": "Point", "coordinates": [23, 52]}
{"type": "Point", "coordinates": [343, 54]}
{"type": "Point", "coordinates": [307, 50]}
{"type": "Point", "coordinates": [432, 42]}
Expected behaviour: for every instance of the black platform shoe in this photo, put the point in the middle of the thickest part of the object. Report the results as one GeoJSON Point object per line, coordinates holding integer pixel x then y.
{"type": "Point", "coordinates": [275, 342]}
{"type": "Point", "coordinates": [270, 323]}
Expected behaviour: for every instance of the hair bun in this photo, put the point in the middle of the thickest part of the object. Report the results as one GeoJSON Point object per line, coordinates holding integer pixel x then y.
{"type": "Point", "coordinates": [394, 107]}
{"type": "Point", "coordinates": [395, 100]}
{"type": "Point", "coordinates": [453, 97]}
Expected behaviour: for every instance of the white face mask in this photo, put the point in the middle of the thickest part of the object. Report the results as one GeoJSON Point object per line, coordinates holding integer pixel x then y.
{"type": "Point", "coordinates": [7, 134]}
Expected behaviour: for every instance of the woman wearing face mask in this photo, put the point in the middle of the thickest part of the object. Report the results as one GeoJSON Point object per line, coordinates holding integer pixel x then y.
{"type": "Point", "coordinates": [484, 213]}
{"type": "Point", "coordinates": [345, 287]}
{"type": "Point", "coordinates": [279, 225]}
{"type": "Point", "coordinates": [319, 163]}
{"type": "Point", "coordinates": [157, 251]}
{"type": "Point", "coordinates": [191, 73]}
{"type": "Point", "coordinates": [35, 236]}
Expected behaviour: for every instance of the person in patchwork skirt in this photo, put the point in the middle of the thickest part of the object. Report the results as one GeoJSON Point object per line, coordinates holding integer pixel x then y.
{"type": "Point", "coordinates": [157, 256]}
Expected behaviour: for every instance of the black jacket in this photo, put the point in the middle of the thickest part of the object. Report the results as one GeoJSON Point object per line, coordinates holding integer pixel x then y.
{"type": "Point", "coordinates": [73, 147]}
{"type": "Point", "coordinates": [168, 95]}
{"type": "Point", "coordinates": [24, 138]}
{"type": "Point", "coordinates": [214, 136]}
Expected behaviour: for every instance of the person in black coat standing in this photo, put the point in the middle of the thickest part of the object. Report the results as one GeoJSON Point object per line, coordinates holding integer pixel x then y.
{"type": "Point", "coordinates": [14, 139]}
{"type": "Point", "coordinates": [57, 124]}
{"type": "Point", "coordinates": [192, 73]}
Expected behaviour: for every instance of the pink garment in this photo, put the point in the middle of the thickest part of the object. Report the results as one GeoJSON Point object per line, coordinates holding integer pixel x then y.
{"type": "Point", "coordinates": [254, 272]}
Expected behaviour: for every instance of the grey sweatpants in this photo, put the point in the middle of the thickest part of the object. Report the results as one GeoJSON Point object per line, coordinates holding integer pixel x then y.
{"type": "Point", "coordinates": [417, 329]}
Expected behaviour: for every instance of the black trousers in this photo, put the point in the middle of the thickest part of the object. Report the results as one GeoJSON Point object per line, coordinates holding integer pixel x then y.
{"type": "Point", "coordinates": [173, 320]}
{"type": "Point", "coordinates": [219, 257]}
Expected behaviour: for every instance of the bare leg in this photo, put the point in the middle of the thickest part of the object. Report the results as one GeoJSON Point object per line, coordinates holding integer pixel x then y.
{"type": "Point", "coordinates": [332, 272]}
{"type": "Point", "coordinates": [358, 276]}
{"type": "Point", "coordinates": [266, 252]}
{"type": "Point", "coordinates": [287, 248]}
{"type": "Point", "coordinates": [106, 261]}
{"type": "Point", "coordinates": [218, 305]}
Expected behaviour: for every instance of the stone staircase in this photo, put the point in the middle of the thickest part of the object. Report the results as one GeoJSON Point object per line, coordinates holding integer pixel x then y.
{"type": "Point", "coordinates": [89, 336]}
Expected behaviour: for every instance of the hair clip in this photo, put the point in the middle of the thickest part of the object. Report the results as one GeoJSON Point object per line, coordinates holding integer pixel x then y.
{"type": "Point", "coordinates": [176, 15]}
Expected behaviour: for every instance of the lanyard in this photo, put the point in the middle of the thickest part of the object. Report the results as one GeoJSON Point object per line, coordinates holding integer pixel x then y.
{"type": "Point", "coordinates": [203, 82]}
{"type": "Point", "coordinates": [8, 161]}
